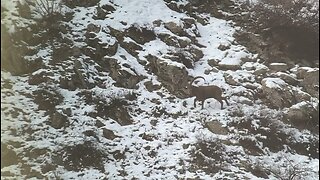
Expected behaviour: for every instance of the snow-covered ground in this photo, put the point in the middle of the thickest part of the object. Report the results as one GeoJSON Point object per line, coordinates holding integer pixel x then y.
{"type": "Point", "coordinates": [161, 142]}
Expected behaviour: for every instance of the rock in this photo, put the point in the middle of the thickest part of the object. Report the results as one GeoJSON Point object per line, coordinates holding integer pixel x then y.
{"type": "Point", "coordinates": [122, 77]}
{"type": "Point", "coordinates": [121, 115]}
{"type": "Point", "coordinates": [211, 70]}
{"type": "Point", "coordinates": [288, 78]}
{"type": "Point", "coordinates": [8, 156]}
{"type": "Point", "coordinates": [196, 53]}
{"type": "Point", "coordinates": [230, 80]}
{"type": "Point", "coordinates": [157, 23]}
{"type": "Point", "coordinates": [311, 83]}
{"type": "Point", "coordinates": [277, 92]}
{"type": "Point", "coordinates": [93, 28]}
{"type": "Point", "coordinates": [76, 51]}
{"type": "Point", "coordinates": [300, 114]}
{"type": "Point", "coordinates": [213, 62]}
{"type": "Point", "coordinates": [175, 29]}
{"type": "Point", "coordinates": [301, 96]}
{"type": "Point", "coordinates": [303, 71]}
{"type": "Point", "coordinates": [89, 133]}
{"type": "Point", "coordinates": [245, 100]}
{"type": "Point", "coordinates": [257, 68]}
{"type": "Point", "coordinates": [67, 112]}
{"type": "Point", "coordinates": [99, 124]}
{"type": "Point", "coordinates": [278, 67]}
{"type": "Point", "coordinates": [84, 155]}
{"type": "Point", "coordinates": [216, 127]}
{"type": "Point", "coordinates": [262, 70]}
{"type": "Point", "coordinates": [223, 47]}
{"type": "Point", "coordinates": [109, 134]}
{"type": "Point", "coordinates": [184, 42]}
{"type": "Point", "coordinates": [12, 58]}
{"type": "Point", "coordinates": [58, 120]}
{"type": "Point", "coordinates": [183, 57]}
{"type": "Point", "coordinates": [77, 69]}
{"type": "Point", "coordinates": [231, 66]}
{"type": "Point", "coordinates": [108, 8]}
{"type": "Point", "coordinates": [173, 77]}
{"type": "Point", "coordinates": [99, 49]}
{"type": "Point", "coordinates": [132, 48]}
{"type": "Point", "coordinates": [140, 35]}
{"type": "Point", "coordinates": [38, 78]}
{"type": "Point", "coordinates": [169, 40]}
{"type": "Point", "coordinates": [100, 15]}
{"type": "Point", "coordinates": [47, 99]}
{"type": "Point", "coordinates": [151, 87]}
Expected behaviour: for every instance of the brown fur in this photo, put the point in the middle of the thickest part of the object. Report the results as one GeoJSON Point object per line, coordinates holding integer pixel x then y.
{"type": "Point", "coordinates": [204, 92]}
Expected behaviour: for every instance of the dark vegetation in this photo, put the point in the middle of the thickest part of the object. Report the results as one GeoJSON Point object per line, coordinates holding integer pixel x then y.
{"type": "Point", "coordinates": [292, 27]}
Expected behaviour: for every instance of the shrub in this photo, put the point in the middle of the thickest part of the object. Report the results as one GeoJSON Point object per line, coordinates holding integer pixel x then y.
{"type": "Point", "coordinates": [48, 8]}
{"type": "Point", "coordinates": [288, 13]}
{"type": "Point", "coordinates": [291, 26]}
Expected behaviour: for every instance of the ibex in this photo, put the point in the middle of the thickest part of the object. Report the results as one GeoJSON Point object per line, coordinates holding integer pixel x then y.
{"type": "Point", "coordinates": [204, 92]}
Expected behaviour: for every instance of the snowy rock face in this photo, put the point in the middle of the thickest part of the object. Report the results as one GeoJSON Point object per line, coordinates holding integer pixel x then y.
{"type": "Point", "coordinates": [101, 90]}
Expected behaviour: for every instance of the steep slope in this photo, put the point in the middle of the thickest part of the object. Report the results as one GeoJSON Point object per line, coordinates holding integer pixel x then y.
{"type": "Point", "coordinates": [102, 93]}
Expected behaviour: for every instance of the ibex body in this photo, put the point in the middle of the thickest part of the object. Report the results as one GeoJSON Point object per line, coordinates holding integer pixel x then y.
{"type": "Point", "coordinates": [204, 92]}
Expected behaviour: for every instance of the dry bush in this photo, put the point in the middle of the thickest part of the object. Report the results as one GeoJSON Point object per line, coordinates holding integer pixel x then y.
{"type": "Point", "coordinates": [48, 8]}
{"type": "Point", "coordinates": [288, 13]}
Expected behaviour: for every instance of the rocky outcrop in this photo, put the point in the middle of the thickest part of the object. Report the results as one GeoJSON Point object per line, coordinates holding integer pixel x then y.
{"type": "Point", "coordinates": [216, 127]}
{"type": "Point", "coordinates": [302, 115]}
{"type": "Point", "coordinates": [173, 77]}
{"type": "Point", "coordinates": [99, 48]}
{"type": "Point", "coordinates": [122, 77]}
{"type": "Point", "coordinates": [140, 35]}
{"type": "Point", "coordinates": [47, 99]}
{"type": "Point", "coordinates": [277, 92]}
{"type": "Point", "coordinates": [12, 55]}
{"type": "Point", "coordinates": [103, 11]}
{"type": "Point", "coordinates": [58, 120]}
{"type": "Point", "coordinates": [310, 82]}
{"type": "Point", "coordinates": [109, 134]}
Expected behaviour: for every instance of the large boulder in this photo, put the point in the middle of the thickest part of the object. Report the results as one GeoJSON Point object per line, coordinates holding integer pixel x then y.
{"type": "Point", "coordinates": [122, 77]}
{"type": "Point", "coordinates": [140, 35]}
{"type": "Point", "coordinates": [277, 92]}
{"type": "Point", "coordinates": [97, 46]}
{"type": "Point", "coordinates": [311, 82]}
{"type": "Point", "coordinates": [303, 115]}
{"type": "Point", "coordinates": [171, 75]}
{"type": "Point", "coordinates": [58, 120]}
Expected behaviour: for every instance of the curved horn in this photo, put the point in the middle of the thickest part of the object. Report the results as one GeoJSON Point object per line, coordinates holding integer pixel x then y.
{"type": "Point", "coordinates": [197, 78]}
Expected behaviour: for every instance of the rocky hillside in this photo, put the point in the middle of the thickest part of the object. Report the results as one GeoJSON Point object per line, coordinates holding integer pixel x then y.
{"type": "Point", "coordinates": [100, 89]}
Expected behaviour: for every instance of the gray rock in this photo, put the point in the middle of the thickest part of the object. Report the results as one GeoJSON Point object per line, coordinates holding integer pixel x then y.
{"type": "Point", "coordinates": [216, 127]}
{"type": "Point", "coordinates": [109, 134]}
{"type": "Point", "coordinates": [300, 114]}
{"type": "Point", "coordinates": [99, 124]}
{"type": "Point", "coordinates": [301, 72]}
{"type": "Point", "coordinates": [121, 76]}
{"type": "Point", "coordinates": [93, 28]}
{"type": "Point", "coordinates": [311, 83]}
{"type": "Point", "coordinates": [58, 120]}
{"type": "Point", "coordinates": [174, 28]}
{"type": "Point", "coordinates": [277, 92]}
{"type": "Point", "coordinates": [278, 67]}
{"type": "Point", "coordinates": [230, 80]}
{"type": "Point", "coordinates": [288, 78]}
{"type": "Point", "coordinates": [174, 78]}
